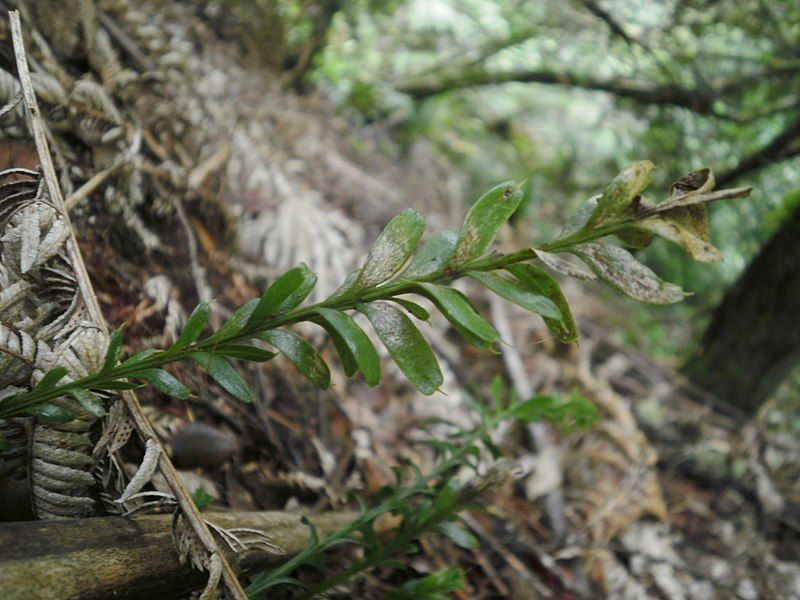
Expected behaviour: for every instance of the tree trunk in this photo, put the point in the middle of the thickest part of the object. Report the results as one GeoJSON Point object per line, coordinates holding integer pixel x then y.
{"type": "Point", "coordinates": [754, 336]}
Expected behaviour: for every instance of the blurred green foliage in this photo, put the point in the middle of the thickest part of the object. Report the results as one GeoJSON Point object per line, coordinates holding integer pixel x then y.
{"type": "Point", "coordinates": [583, 88]}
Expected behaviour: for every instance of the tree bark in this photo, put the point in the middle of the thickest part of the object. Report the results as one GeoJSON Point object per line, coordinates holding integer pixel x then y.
{"type": "Point", "coordinates": [132, 558]}
{"type": "Point", "coordinates": [754, 336]}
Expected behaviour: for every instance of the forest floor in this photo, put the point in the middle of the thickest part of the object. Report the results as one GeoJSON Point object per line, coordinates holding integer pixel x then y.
{"type": "Point", "coordinates": [670, 495]}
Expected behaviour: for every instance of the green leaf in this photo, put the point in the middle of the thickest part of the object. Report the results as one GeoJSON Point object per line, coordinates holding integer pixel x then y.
{"type": "Point", "coordinates": [202, 499]}
{"type": "Point", "coordinates": [619, 268]}
{"type": "Point", "coordinates": [51, 378]}
{"type": "Point", "coordinates": [434, 256]}
{"type": "Point", "coordinates": [414, 308]}
{"type": "Point", "coordinates": [4, 444]}
{"type": "Point", "coordinates": [458, 535]}
{"type": "Point", "coordinates": [285, 293]}
{"type": "Point", "coordinates": [114, 350]}
{"type": "Point", "coordinates": [301, 354]}
{"type": "Point", "coordinates": [538, 281]}
{"type": "Point", "coordinates": [514, 292]}
{"type": "Point", "coordinates": [140, 357]}
{"type": "Point", "coordinates": [392, 249]}
{"type": "Point", "coordinates": [88, 401]}
{"type": "Point", "coordinates": [163, 382]}
{"type": "Point", "coordinates": [236, 324]}
{"type": "Point", "coordinates": [50, 412]}
{"type": "Point", "coordinates": [484, 220]}
{"type": "Point", "coordinates": [436, 586]}
{"type": "Point", "coordinates": [405, 344]}
{"type": "Point", "coordinates": [245, 352]}
{"type": "Point", "coordinates": [621, 192]}
{"type": "Point", "coordinates": [224, 374]}
{"type": "Point", "coordinates": [194, 326]}
{"type": "Point", "coordinates": [351, 341]}
{"type": "Point", "coordinates": [118, 385]}
{"type": "Point", "coordinates": [473, 327]}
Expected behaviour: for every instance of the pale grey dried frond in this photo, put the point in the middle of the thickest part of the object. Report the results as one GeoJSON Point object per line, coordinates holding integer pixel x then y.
{"type": "Point", "coordinates": [17, 356]}
{"type": "Point", "coordinates": [145, 471]}
{"type": "Point", "coordinates": [98, 119]}
{"type": "Point", "coordinates": [303, 229]}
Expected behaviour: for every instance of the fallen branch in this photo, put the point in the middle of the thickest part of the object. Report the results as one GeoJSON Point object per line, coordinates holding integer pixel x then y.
{"type": "Point", "coordinates": [118, 557]}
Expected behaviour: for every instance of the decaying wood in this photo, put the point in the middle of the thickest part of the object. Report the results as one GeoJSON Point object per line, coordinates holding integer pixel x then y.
{"type": "Point", "coordinates": [118, 557]}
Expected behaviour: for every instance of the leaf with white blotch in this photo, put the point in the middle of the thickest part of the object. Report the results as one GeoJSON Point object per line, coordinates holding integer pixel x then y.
{"type": "Point", "coordinates": [567, 264]}
{"type": "Point", "coordinates": [301, 354]}
{"type": "Point", "coordinates": [392, 249]}
{"type": "Point", "coordinates": [621, 192]}
{"type": "Point", "coordinates": [619, 268]}
{"type": "Point", "coordinates": [514, 292]}
{"type": "Point", "coordinates": [461, 314]}
{"type": "Point", "coordinates": [352, 344]}
{"type": "Point", "coordinates": [13, 293]}
{"type": "Point", "coordinates": [29, 245]}
{"type": "Point", "coordinates": [406, 345]}
{"type": "Point", "coordinates": [540, 282]}
{"type": "Point", "coordinates": [434, 256]}
{"type": "Point", "coordinates": [484, 220]}
{"type": "Point", "coordinates": [581, 215]}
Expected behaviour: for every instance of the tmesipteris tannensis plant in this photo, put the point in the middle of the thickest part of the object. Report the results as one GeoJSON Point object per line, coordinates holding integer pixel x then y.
{"type": "Point", "coordinates": [428, 504]}
{"type": "Point", "coordinates": [397, 267]}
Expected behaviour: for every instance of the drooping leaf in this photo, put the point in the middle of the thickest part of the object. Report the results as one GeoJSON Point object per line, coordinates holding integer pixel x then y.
{"type": "Point", "coordinates": [245, 352]}
{"type": "Point", "coordinates": [301, 354]}
{"type": "Point", "coordinates": [163, 382]}
{"type": "Point", "coordinates": [224, 374]}
{"type": "Point", "coordinates": [114, 350]}
{"type": "Point", "coordinates": [484, 220]}
{"type": "Point", "coordinates": [458, 535]}
{"type": "Point", "coordinates": [353, 343]}
{"type": "Point", "coordinates": [538, 281]}
{"type": "Point", "coordinates": [686, 227]}
{"type": "Point", "coordinates": [461, 314]}
{"type": "Point", "coordinates": [392, 249]}
{"type": "Point", "coordinates": [194, 326]}
{"type": "Point", "coordinates": [50, 412]}
{"type": "Point", "coordinates": [516, 293]}
{"type": "Point", "coordinates": [618, 267]}
{"type": "Point", "coordinates": [434, 256]}
{"type": "Point", "coordinates": [621, 192]}
{"type": "Point", "coordinates": [567, 264]}
{"type": "Point", "coordinates": [88, 401]}
{"type": "Point", "coordinates": [415, 309]}
{"type": "Point", "coordinates": [285, 293]}
{"type": "Point", "coordinates": [406, 345]}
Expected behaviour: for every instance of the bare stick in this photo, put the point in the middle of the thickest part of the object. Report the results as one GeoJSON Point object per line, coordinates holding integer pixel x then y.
{"type": "Point", "coordinates": [187, 506]}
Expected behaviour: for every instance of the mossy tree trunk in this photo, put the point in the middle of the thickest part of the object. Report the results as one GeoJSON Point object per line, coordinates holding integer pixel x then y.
{"type": "Point", "coordinates": [754, 336]}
